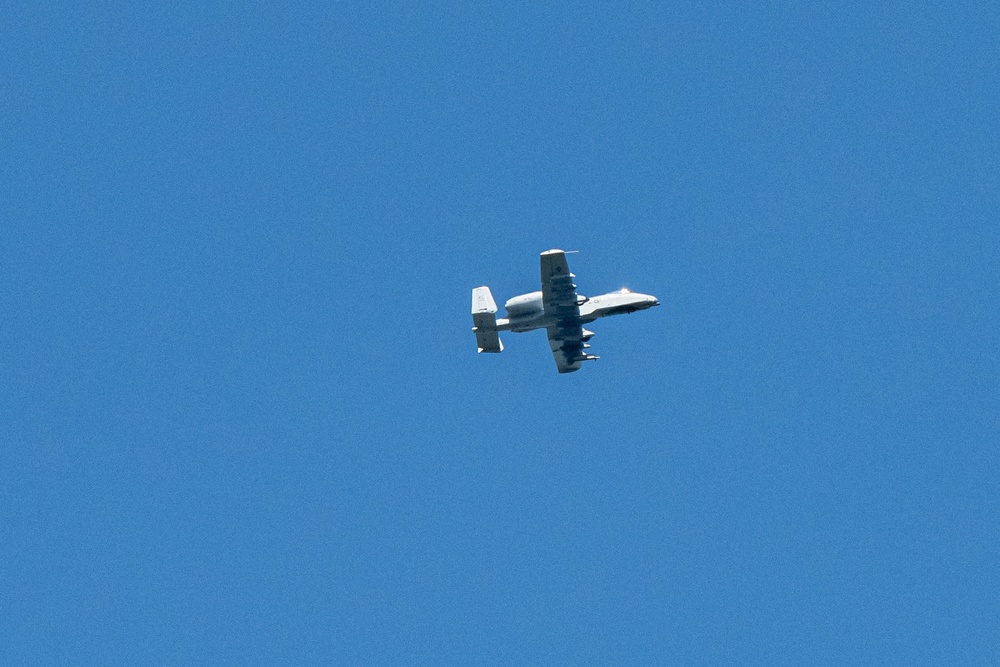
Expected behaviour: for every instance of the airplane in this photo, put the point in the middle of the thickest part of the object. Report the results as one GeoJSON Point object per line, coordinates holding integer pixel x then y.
{"type": "Point", "coordinates": [557, 308]}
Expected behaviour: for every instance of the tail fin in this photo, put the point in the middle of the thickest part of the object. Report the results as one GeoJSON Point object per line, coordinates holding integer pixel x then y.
{"type": "Point", "coordinates": [484, 317]}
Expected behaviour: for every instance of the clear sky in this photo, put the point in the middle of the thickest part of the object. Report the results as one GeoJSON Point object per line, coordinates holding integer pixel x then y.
{"type": "Point", "coordinates": [243, 419]}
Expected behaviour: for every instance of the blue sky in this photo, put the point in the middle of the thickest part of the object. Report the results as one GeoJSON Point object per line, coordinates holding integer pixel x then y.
{"type": "Point", "coordinates": [243, 418]}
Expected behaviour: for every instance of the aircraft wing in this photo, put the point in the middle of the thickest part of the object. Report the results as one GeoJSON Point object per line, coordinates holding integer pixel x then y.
{"type": "Point", "coordinates": [566, 341]}
{"type": "Point", "coordinates": [559, 298]}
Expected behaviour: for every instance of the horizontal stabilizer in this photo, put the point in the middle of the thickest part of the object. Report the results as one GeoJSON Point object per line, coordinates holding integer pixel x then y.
{"type": "Point", "coordinates": [484, 319]}
{"type": "Point", "coordinates": [488, 341]}
{"type": "Point", "coordinates": [482, 301]}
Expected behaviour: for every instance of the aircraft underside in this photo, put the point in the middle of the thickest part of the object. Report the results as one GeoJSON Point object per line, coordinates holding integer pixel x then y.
{"type": "Point", "coordinates": [557, 308]}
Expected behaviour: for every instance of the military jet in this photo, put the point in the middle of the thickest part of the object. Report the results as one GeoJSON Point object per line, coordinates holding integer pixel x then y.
{"type": "Point", "coordinates": [557, 308]}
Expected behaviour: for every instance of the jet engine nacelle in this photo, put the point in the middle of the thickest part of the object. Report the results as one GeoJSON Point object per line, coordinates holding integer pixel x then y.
{"type": "Point", "coordinates": [524, 305]}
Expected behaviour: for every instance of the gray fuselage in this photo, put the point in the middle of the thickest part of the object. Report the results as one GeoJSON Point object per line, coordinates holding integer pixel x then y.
{"type": "Point", "coordinates": [525, 312]}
